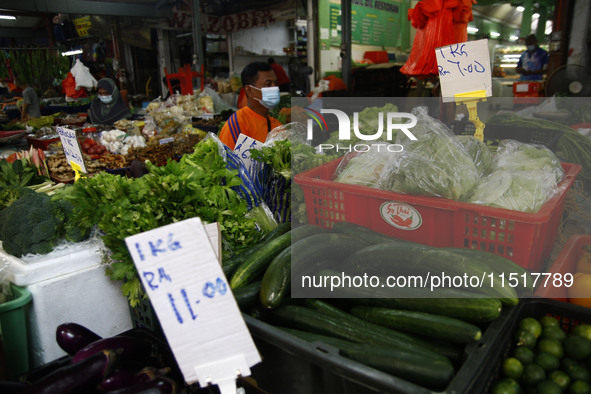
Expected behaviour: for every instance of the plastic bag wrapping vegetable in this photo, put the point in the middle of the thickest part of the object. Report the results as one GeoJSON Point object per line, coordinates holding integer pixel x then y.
{"type": "Point", "coordinates": [436, 164]}
{"type": "Point", "coordinates": [249, 190]}
{"type": "Point", "coordinates": [515, 155]}
{"type": "Point", "coordinates": [481, 155]}
{"type": "Point", "coordinates": [275, 172]}
{"type": "Point", "coordinates": [5, 290]}
{"type": "Point", "coordinates": [527, 175]}
{"type": "Point", "coordinates": [371, 168]}
{"type": "Point", "coordinates": [217, 102]}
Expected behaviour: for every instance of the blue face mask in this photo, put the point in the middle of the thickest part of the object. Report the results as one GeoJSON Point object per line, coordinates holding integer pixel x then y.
{"type": "Point", "coordinates": [106, 99]}
{"type": "Point", "coordinates": [270, 96]}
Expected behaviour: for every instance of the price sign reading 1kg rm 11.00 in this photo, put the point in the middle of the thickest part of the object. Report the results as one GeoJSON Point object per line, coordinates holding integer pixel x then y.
{"type": "Point", "coordinates": [464, 68]}
{"type": "Point", "coordinates": [195, 306]}
{"type": "Point", "coordinates": [71, 147]}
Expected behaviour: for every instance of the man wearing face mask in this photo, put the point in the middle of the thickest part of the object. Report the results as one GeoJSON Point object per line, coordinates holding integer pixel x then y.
{"type": "Point", "coordinates": [533, 62]}
{"type": "Point", "coordinates": [253, 120]}
{"type": "Point", "coordinates": [108, 107]}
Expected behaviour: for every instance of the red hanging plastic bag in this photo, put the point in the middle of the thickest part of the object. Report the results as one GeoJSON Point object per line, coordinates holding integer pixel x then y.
{"type": "Point", "coordinates": [438, 23]}
{"type": "Point", "coordinates": [69, 87]}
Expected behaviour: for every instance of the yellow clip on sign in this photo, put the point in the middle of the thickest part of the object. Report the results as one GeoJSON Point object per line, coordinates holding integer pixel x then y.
{"type": "Point", "coordinates": [77, 169]}
{"type": "Point", "coordinates": [471, 100]}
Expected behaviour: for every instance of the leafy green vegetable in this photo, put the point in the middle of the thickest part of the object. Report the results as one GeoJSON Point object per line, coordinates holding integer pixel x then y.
{"type": "Point", "coordinates": [199, 185]}
{"type": "Point", "coordinates": [19, 173]}
{"type": "Point", "coordinates": [12, 193]}
{"type": "Point", "coordinates": [481, 155]}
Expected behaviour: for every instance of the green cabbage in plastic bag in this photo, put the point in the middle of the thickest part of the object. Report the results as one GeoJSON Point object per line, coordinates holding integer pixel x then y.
{"type": "Point", "coordinates": [481, 155]}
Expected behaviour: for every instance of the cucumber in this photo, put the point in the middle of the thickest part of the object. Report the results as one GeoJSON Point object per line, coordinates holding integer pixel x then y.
{"type": "Point", "coordinates": [396, 257]}
{"type": "Point", "coordinates": [257, 262]}
{"type": "Point", "coordinates": [307, 253]}
{"type": "Point", "coordinates": [366, 234]}
{"type": "Point", "coordinates": [498, 263]}
{"type": "Point", "coordinates": [427, 372]}
{"type": "Point", "coordinates": [303, 318]}
{"type": "Point", "coordinates": [246, 296]}
{"type": "Point", "coordinates": [230, 265]}
{"type": "Point", "coordinates": [452, 352]}
{"type": "Point", "coordinates": [472, 310]}
{"type": "Point", "coordinates": [276, 280]}
{"type": "Point", "coordinates": [426, 324]}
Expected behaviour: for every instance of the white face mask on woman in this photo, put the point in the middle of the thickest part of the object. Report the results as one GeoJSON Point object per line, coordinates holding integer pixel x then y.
{"type": "Point", "coordinates": [270, 96]}
{"type": "Point", "coordinates": [106, 99]}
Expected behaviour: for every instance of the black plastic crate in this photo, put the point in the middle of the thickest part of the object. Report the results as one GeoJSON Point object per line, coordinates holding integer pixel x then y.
{"type": "Point", "coordinates": [569, 316]}
{"type": "Point", "coordinates": [494, 132]}
{"type": "Point", "coordinates": [293, 366]}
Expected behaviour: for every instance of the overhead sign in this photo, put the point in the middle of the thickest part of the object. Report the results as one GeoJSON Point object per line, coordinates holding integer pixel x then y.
{"type": "Point", "coordinates": [464, 68]}
{"type": "Point", "coordinates": [195, 306]}
{"type": "Point", "coordinates": [71, 147]}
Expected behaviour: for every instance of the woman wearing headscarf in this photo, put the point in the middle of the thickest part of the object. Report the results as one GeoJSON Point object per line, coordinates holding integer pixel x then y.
{"type": "Point", "coordinates": [108, 107]}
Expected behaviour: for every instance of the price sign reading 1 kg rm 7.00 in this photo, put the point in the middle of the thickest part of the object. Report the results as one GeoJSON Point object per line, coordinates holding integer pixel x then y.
{"type": "Point", "coordinates": [195, 306]}
{"type": "Point", "coordinates": [71, 147]}
{"type": "Point", "coordinates": [464, 68]}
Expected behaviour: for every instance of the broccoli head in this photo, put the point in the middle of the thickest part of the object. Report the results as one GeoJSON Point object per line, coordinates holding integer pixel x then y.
{"type": "Point", "coordinates": [10, 194]}
{"type": "Point", "coordinates": [71, 229]}
{"type": "Point", "coordinates": [30, 225]}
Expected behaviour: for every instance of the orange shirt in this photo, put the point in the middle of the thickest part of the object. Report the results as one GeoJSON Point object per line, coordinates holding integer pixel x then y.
{"type": "Point", "coordinates": [246, 121]}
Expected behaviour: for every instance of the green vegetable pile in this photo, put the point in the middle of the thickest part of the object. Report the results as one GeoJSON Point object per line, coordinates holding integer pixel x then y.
{"type": "Point", "coordinates": [199, 185]}
{"type": "Point", "coordinates": [36, 223]}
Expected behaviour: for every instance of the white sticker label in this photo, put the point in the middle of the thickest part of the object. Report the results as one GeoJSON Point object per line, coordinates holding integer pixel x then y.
{"type": "Point", "coordinates": [195, 306]}
{"type": "Point", "coordinates": [401, 216]}
{"type": "Point", "coordinates": [71, 147]}
{"type": "Point", "coordinates": [464, 68]}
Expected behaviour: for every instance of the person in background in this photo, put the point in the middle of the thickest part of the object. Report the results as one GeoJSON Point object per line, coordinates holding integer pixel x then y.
{"type": "Point", "coordinates": [282, 78]}
{"type": "Point", "coordinates": [108, 107]}
{"type": "Point", "coordinates": [30, 108]}
{"type": "Point", "coordinates": [253, 120]}
{"type": "Point", "coordinates": [533, 62]}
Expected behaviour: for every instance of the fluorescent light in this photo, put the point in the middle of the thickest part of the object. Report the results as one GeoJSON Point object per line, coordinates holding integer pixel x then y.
{"type": "Point", "coordinates": [8, 17]}
{"type": "Point", "coordinates": [513, 38]}
{"type": "Point", "coordinates": [520, 9]}
{"type": "Point", "coordinates": [472, 29]}
{"type": "Point", "coordinates": [535, 16]}
{"type": "Point", "coordinates": [508, 56]}
{"type": "Point", "coordinates": [508, 65]}
{"type": "Point", "coordinates": [74, 52]}
{"type": "Point", "coordinates": [494, 34]}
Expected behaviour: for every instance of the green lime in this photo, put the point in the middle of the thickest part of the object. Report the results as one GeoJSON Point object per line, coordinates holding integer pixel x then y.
{"type": "Point", "coordinates": [547, 361]}
{"type": "Point", "coordinates": [566, 363]}
{"type": "Point", "coordinates": [533, 374]}
{"type": "Point", "coordinates": [561, 378]}
{"type": "Point", "coordinates": [577, 347]}
{"type": "Point", "coordinates": [549, 321]}
{"type": "Point", "coordinates": [583, 330]}
{"type": "Point", "coordinates": [579, 387]}
{"type": "Point", "coordinates": [525, 338]}
{"type": "Point", "coordinates": [512, 368]}
{"type": "Point", "coordinates": [524, 354]}
{"type": "Point", "coordinates": [548, 387]}
{"type": "Point", "coordinates": [532, 325]}
{"type": "Point", "coordinates": [552, 346]}
{"type": "Point", "coordinates": [506, 386]}
{"type": "Point", "coordinates": [578, 372]}
{"type": "Point", "coordinates": [553, 333]}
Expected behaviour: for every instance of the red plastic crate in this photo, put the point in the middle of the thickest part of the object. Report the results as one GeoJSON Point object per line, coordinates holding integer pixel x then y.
{"type": "Point", "coordinates": [41, 143]}
{"type": "Point", "coordinates": [564, 263]}
{"type": "Point", "coordinates": [525, 238]}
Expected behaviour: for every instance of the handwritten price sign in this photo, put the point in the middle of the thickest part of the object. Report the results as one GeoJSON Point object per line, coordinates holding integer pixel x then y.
{"type": "Point", "coordinates": [188, 290]}
{"type": "Point", "coordinates": [463, 68]}
{"type": "Point", "coordinates": [71, 147]}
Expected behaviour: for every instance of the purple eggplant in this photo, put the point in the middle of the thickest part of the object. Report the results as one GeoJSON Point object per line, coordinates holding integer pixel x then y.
{"type": "Point", "coordinates": [77, 378]}
{"type": "Point", "coordinates": [160, 385]}
{"type": "Point", "coordinates": [132, 348]}
{"type": "Point", "coordinates": [72, 337]}
{"type": "Point", "coordinates": [41, 371]}
{"type": "Point", "coordinates": [12, 387]}
{"type": "Point", "coordinates": [121, 377]}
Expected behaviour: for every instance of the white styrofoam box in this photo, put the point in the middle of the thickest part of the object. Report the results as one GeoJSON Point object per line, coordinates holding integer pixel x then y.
{"type": "Point", "coordinates": [64, 259]}
{"type": "Point", "coordinates": [68, 285]}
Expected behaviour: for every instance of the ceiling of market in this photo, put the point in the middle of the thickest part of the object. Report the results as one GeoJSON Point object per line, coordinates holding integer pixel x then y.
{"type": "Point", "coordinates": [33, 15]}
